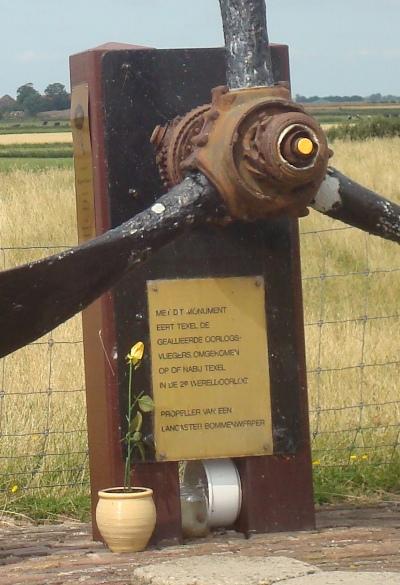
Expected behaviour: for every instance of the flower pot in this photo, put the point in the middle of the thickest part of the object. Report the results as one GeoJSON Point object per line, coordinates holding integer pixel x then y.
{"type": "Point", "coordinates": [126, 520]}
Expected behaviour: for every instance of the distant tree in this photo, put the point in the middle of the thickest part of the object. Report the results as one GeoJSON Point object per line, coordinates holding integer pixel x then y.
{"type": "Point", "coordinates": [300, 98]}
{"type": "Point", "coordinates": [29, 99]}
{"type": "Point", "coordinates": [307, 100]}
{"type": "Point", "coordinates": [57, 97]}
{"type": "Point", "coordinates": [33, 104]}
{"type": "Point", "coordinates": [25, 91]}
{"type": "Point", "coordinates": [375, 98]}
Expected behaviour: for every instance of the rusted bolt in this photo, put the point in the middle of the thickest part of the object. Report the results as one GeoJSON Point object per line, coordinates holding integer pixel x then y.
{"type": "Point", "coordinates": [304, 146]}
{"type": "Point", "coordinates": [158, 135]}
{"type": "Point", "coordinates": [133, 192]}
{"type": "Point", "coordinates": [200, 140]}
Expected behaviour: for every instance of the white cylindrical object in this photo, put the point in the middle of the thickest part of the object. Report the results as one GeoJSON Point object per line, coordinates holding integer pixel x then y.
{"type": "Point", "coordinates": [221, 482]}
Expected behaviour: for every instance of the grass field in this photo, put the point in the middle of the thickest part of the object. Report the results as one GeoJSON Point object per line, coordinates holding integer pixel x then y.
{"type": "Point", "coordinates": [340, 112]}
{"type": "Point", "coordinates": [42, 411]}
{"type": "Point", "coordinates": [36, 151]}
{"type": "Point", "coordinates": [10, 164]}
{"type": "Point", "coordinates": [351, 295]}
{"type": "Point", "coordinates": [33, 125]}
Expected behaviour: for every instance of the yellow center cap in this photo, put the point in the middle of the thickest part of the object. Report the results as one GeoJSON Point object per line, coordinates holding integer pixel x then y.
{"type": "Point", "coordinates": [305, 146]}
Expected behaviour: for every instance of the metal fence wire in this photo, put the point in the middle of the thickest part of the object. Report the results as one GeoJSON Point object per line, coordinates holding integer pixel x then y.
{"type": "Point", "coordinates": [43, 435]}
{"type": "Point", "coordinates": [350, 286]}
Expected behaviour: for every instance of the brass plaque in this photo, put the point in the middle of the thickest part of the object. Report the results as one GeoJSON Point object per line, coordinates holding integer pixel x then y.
{"type": "Point", "coordinates": [83, 162]}
{"type": "Point", "coordinates": [209, 363]}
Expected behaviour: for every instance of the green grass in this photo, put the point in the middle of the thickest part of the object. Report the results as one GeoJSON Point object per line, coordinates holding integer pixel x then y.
{"type": "Point", "coordinates": [8, 165]}
{"type": "Point", "coordinates": [330, 119]}
{"type": "Point", "coordinates": [340, 113]}
{"type": "Point", "coordinates": [358, 480]}
{"type": "Point", "coordinates": [47, 507]}
{"type": "Point", "coordinates": [33, 126]}
{"type": "Point", "coordinates": [35, 157]}
{"type": "Point", "coordinates": [52, 150]}
{"type": "Point", "coordinates": [365, 128]}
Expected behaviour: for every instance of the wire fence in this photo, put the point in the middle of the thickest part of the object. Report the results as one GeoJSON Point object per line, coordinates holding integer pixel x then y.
{"type": "Point", "coordinates": [351, 288]}
{"type": "Point", "coordinates": [43, 435]}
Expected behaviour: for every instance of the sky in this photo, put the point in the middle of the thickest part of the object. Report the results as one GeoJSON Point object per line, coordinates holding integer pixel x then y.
{"type": "Point", "coordinates": [343, 47]}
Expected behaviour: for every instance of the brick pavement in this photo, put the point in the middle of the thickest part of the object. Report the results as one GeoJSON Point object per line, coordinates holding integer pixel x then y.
{"type": "Point", "coordinates": [366, 539]}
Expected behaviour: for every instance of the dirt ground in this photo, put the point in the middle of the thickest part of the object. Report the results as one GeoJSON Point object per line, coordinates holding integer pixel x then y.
{"type": "Point", "coordinates": [364, 539]}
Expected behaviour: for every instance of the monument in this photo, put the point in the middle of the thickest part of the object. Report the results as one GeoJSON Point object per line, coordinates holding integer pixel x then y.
{"type": "Point", "coordinates": [219, 309]}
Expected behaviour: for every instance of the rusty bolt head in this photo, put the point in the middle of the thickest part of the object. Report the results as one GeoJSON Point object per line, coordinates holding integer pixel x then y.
{"type": "Point", "coordinates": [158, 135]}
{"type": "Point", "coordinates": [304, 146]}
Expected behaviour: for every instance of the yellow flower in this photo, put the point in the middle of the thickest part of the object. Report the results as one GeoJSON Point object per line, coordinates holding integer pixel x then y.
{"type": "Point", "coordinates": [316, 462]}
{"type": "Point", "coordinates": [14, 488]}
{"type": "Point", "coordinates": [136, 353]}
{"type": "Point", "coordinates": [353, 457]}
{"type": "Point", "coordinates": [364, 457]}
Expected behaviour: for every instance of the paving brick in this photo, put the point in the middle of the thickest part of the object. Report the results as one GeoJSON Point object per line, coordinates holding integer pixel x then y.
{"type": "Point", "coordinates": [357, 539]}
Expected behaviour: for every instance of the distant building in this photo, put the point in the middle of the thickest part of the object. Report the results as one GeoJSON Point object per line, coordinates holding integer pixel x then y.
{"type": "Point", "coordinates": [16, 114]}
{"type": "Point", "coordinates": [54, 115]}
{"type": "Point", "coordinates": [7, 103]}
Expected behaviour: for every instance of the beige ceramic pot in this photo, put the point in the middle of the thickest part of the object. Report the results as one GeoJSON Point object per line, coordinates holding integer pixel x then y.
{"type": "Point", "coordinates": [126, 520]}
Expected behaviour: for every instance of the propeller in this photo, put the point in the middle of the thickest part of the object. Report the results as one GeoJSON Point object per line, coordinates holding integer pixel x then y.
{"type": "Point", "coordinates": [249, 63]}
{"type": "Point", "coordinates": [341, 198]}
{"type": "Point", "coordinates": [37, 297]}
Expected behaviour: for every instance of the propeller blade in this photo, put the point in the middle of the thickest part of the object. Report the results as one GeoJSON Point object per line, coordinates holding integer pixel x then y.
{"type": "Point", "coordinates": [37, 297]}
{"type": "Point", "coordinates": [249, 61]}
{"type": "Point", "coordinates": [341, 198]}
{"type": "Point", "coordinates": [248, 64]}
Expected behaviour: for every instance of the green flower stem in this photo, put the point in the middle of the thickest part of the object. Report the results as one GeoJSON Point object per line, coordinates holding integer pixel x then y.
{"type": "Point", "coordinates": [129, 454]}
{"type": "Point", "coordinates": [134, 402]}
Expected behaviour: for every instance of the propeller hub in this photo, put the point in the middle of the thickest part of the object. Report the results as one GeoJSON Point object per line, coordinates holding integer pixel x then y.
{"type": "Point", "coordinates": [262, 152]}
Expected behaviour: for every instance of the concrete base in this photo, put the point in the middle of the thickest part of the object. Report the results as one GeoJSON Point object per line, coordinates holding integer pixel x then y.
{"type": "Point", "coordinates": [251, 570]}
{"type": "Point", "coordinates": [347, 578]}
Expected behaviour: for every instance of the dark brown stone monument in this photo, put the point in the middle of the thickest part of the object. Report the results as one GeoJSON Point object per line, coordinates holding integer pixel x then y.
{"type": "Point", "coordinates": [120, 94]}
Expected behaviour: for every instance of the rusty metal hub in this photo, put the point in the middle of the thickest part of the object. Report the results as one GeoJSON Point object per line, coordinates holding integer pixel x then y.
{"type": "Point", "coordinates": [263, 153]}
